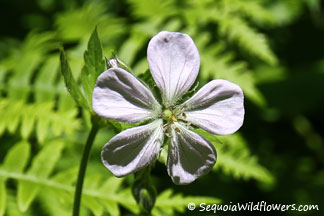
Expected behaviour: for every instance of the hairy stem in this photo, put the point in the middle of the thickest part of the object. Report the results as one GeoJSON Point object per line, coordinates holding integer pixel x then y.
{"type": "Point", "coordinates": [82, 169]}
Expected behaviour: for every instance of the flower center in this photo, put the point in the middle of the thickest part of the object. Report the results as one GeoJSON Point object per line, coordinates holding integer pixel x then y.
{"type": "Point", "coordinates": [169, 115]}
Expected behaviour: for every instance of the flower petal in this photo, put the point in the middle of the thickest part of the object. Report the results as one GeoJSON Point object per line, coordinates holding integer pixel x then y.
{"type": "Point", "coordinates": [217, 107]}
{"type": "Point", "coordinates": [120, 96]}
{"type": "Point", "coordinates": [133, 149]}
{"type": "Point", "coordinates": [190, 155]}
{"type": "Point", "coordinates": [174, 62]}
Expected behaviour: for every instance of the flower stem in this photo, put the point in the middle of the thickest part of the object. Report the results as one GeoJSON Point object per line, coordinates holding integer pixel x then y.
{"type": "Point", "coordinates": [82, 169]}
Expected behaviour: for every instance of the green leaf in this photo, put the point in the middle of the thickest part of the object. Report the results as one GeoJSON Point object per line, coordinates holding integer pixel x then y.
{"type": "Point", "coordinates": [44, 86]}
{"type": "Point", "coordinates": [70, 82]}
{"type": "Point", "coordinates": [93, 204]}
{"type": "Point", "coordinates": [44, 162]}
{"type": "Point", "coordinates": [42, 127]}
{"type": "Point", "coordinates": [111, 185]}
{"type": "Point", "coordinates": [27, 125]}
{"type": "Point", "coordinates": [40, 116]}
{"type": "Point", "coordinates": [248, 38]}
{"type": "Point", "coordinates": [111, 207]}
{"type": "Point", "coordinates": [129, 202]}
{"type": "Point", "coordinates": [3, 196]}
{"type": "Point", "coordinates": [52, 205]}
{"type": "Point", "coordinates": [221, 64]}
{"type": "Point", "coordinates": [34, 49]}
{"type": "Point", "coordinates": [91, 183]}
{"type": "Point", "coordinates": [235, 158]}
{"type": "Point", "coordinates": [167, 202]}
{"type": "Point", "coordinates": [68, 176]}
{"type": "Point", "coordinates": [131, 47]}
{"type": "Point", "coordinates": [12, 207]}
{"type": "Point", "coordinates": [94, 65]}
{"type": "Point", "coordinates": [17, 158]}
{"type": "Point", "coordinates": [42, 166]}
{"type": "Point", "coordinates": [27, 192]}
{"type": "Point", "coordinates": [14, 121]}
{"type": "Point", "coordinates": [63, 190]}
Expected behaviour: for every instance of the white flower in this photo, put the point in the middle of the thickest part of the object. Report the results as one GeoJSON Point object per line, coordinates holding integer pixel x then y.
{"type": "Point", "coordinates": [174, 64]}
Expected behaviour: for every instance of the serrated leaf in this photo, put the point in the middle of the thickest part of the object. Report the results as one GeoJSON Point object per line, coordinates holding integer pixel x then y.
{"type": "Point", "coordinates": [70, 82]}
{"type": "Point", "coordinates": [17, 157]}
{"type": "Point", "coordinates": [94, 65]}
{"type": "Point", "coordinates": [3, 196]}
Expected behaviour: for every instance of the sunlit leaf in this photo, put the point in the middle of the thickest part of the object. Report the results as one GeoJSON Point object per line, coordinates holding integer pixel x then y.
{"type": "Point", "coordinates": [27, 192]}
{"type": "Point", "coordinates": [42, 165]}
{"type": "Point", "coordinates": [17, 158]}
{"type": "Point", "coordinates": [3, 196]}
{"type": "Point", "coordinates": [70, 82]}
{"type": "Point", "coordinates": [169, 203]}
{"type": "Point", "coordinates": [94, 65]}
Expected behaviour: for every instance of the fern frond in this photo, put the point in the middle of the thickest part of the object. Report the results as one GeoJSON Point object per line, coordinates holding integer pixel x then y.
{"type": "Point", "coordinates": [65, 192]}
{"type": "Point", "coordinates": [250, 8]}
{"type": "Point", "coordinates": [234, 158]}
{"type": "Point", "coordinates": [38, 177]}
{"type": "Point", "coordinates": [150, 9]}
{"type": "Point", "coordinates": [100, 194]}
{"type": "Point", "coordinates": [168, 203]}
{"type": "Point", "coordinates": [37, 113]}
{"type": "Point", "coordinates": [23, 61]}
{"type": "Point", "coordinates": [40, 117]}
{"type": "Point", "coordinates": [91, 15]}
{"type": "Point", "coordinates": [12, 206]}
{"type": "Point", "coordinates": [247, 38]}
{"type": "Point", "coordinates": [218, 64]}
{"type": "Point", "coordinates": [51, 205]}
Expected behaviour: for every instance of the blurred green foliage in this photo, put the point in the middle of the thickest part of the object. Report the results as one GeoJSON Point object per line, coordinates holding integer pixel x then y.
{"type": "Point", "coordinates": [272, 49]}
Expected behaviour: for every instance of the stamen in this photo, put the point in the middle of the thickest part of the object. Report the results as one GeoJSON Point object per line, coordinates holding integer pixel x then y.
{"type": "Point", "coordinates": [184, 115]}
{"type": "Point", "coordinates": [173, 118]}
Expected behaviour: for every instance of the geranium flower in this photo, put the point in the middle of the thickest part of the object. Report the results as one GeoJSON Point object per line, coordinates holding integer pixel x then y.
{"type": "Point", "coordinates": [174, 64]}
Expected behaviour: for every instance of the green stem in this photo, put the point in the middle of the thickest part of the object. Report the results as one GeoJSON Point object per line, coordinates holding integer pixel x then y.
{"type": "Point", "coordinates": [82, 169]}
